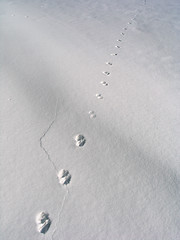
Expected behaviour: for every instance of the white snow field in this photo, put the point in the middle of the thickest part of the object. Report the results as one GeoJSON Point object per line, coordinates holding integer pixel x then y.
{"type": "Point", "coordinates": [125, 179]}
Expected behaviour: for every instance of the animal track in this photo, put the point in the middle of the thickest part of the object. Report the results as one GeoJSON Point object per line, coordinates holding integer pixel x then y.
{"type": "Point", "coordinates": [106, 73]}
{"type": "Point", "coordinates": [92, 114]}
{"type": "Point", "coordinates": [104, 83]}
{"type": "Point", "coordinates": [42, 219]}
{"type": "Point", "coordinates": [109, 63]}
{"type": "Point", "coordinates": [80, 140]}
{"type": "Point", "coordinates": [99, 96]}
{"type": "Point", "coordinates": [64, 177]}
{"type": "Point", "coordinates": [114, 54]}
{"type": "Point", "coordinates": [43, 222]}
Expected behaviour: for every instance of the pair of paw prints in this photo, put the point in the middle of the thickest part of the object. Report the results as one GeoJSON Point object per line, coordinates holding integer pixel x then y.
{"type": "Point", "coordinates": [43, 222]}
{"type": "Point", "coordinates": [64, 177]}
{"type": "Point", "coordinates": [92, 114]}
{"type": "Point", "coordinates": [80, 140]}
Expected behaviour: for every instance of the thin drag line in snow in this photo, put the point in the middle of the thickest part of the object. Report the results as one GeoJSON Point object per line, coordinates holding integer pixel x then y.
{"type": "Point", "coordinates": [44, 135]}
{"type": "Point", "coordinates": [60, 211]}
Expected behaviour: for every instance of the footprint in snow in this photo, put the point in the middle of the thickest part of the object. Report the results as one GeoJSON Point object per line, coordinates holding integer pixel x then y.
{"type": "Point", "coordinates": [92, 114]}
{"type": "Point", "coordinates": [119, 40]}
{"type": "Point", "coordinates": [109, 63]}
{"type": "Point", "coordinates": [80, 140]}
{"type": "Point", "coordinates": [99, 96]}
{"type": "Point", "coordinates": [64, 177]}
{"type": "Point", "coordinates": [125, 29]}
{"type": "Point", "coordinates": [104, 83]}
{"type": "Point", "coordinates": [114, 54]}
{"type": "Point", "coordinates": [122, 33]}
{"type": "Point", "coordinates": [106, 73]}
{"type": "Point", "coordinates": [117, 46]}
{"type": "Point", "coordinates": [43, 222]}
{"type": "Point", "coordinates": [129, 22]}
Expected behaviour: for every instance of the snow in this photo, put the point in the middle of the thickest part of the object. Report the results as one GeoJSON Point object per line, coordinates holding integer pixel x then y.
{"type": "Point", "coordinates": [126, 178]}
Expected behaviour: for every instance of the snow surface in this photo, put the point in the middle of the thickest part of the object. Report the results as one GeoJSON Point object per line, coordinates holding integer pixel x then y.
{"type": "Point", "coordinates": [126, 178]}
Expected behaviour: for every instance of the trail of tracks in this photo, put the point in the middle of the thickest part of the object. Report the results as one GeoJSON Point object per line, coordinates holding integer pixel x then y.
{"type": "Point", "coordinates": [53, 164]}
